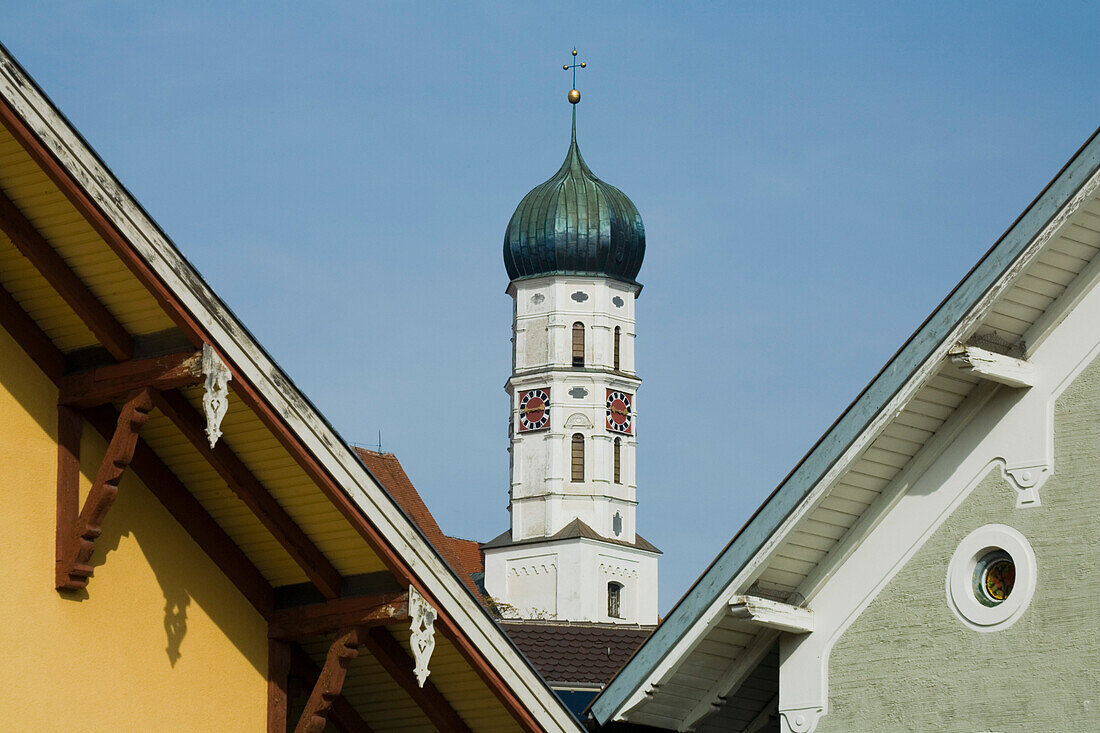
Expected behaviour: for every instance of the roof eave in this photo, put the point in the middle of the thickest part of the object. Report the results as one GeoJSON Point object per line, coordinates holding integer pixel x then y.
{"type": "Point", "coordinates": [157, 251]}
{"type": "Point", "coordinates": [898, 371]}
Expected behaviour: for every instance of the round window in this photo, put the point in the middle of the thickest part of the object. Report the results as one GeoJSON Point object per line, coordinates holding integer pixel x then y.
{"type": "Point", "coordinates": [991, 578]}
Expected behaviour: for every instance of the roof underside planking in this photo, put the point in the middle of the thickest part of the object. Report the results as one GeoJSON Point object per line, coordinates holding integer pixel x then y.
{"type": "Point", "coordinates": [87, 283]}
{"type": "Point", "coordinates": [693, 669]}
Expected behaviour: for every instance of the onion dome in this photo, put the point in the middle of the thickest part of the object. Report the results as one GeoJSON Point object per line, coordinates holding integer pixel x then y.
{"type": "Point", "coordinates": [575, 224]}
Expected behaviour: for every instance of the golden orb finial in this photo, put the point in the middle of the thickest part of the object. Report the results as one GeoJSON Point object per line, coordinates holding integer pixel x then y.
{"type": "Point", "coordinates": [574, 95]}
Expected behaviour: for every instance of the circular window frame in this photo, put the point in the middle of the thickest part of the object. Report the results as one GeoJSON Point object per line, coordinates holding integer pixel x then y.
{"type": "Point", "coordinates": [961, 595]}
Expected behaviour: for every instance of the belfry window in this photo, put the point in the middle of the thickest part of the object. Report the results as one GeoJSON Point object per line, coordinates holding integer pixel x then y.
{"type": "Point", "coordinates": [618, 457]}
{"type": "Point", "coordinates": [576, 457]}
{"type": "Point", "coordinates": [618, 337]}
{"type": "Point", "coordinates": [614, 599]}
{"type": "Point", "coordinates": [578, 344]}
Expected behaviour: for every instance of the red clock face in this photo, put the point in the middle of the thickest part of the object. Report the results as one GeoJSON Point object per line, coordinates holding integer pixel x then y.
{"type": "Point", "coordinates": [618, 411]}
{"type": "Point", "coordinates": [534, 410]}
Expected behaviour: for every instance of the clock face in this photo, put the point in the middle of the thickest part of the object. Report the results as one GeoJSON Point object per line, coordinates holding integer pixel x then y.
{"type": "Point", "coordinates": [534, 410]}
{"type": "Point", "coordinates": [618, 411]}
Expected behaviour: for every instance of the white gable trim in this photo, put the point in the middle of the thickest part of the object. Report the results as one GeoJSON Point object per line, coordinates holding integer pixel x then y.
{"type": "Point", "coordinates": [1012, 428]}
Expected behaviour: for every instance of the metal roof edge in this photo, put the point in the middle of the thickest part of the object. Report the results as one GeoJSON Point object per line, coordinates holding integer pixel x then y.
{"type": "Point", "coordinates": [852, 422]}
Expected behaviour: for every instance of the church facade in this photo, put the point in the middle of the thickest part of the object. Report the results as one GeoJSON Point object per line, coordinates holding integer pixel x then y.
{"type": "Point", "coordinates": [932, 563]}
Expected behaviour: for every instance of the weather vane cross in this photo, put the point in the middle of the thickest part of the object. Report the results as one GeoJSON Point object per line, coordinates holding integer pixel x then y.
{"type": "Point", "coordinates": [574, 95]}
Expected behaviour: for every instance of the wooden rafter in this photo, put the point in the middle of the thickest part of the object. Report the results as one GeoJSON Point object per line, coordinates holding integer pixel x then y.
{"type": "Point", "coordinates": [190, 514]}
{"type": "Point", "coordinates": [68, 285]}
{"type": "Point", "coordinates": [395, 660]}
{"type": "Point", "coordinates": [342, 715]}
{"type": "Point", "coordinates": [74, 571]}
{"type": "Point", "coordinates": [330, 682]}
{"type": "Point", "coordinates": [109, 383]}
{"type": "Point", "coordinates": [323, 618]}
{"type": "Point", "coordinates": [253, 493]}
{"type": "Point", "coordinates": [29, 336]}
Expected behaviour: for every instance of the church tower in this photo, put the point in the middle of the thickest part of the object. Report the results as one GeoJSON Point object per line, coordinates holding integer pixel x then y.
{"type": "Point", "coordinates": [573, 249]}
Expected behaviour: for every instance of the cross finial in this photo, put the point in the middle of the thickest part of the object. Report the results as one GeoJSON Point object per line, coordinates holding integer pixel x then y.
{"type": "Point", "coordinates": [574, 95]}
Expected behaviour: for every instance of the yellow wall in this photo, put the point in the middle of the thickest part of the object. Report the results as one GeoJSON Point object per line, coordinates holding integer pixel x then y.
{"type": "Point", "coordinates": [160, 641]}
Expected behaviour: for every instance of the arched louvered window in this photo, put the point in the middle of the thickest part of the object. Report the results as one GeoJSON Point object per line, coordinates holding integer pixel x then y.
{"type": "Point", "coordinates": [578, 344]}
{"type": "Point", "coordinates": [614, 600]}
{"type": "Point", "coordinates": [618, 338]}
{"type": "Point", "coordinates": [618, 459]}
{"type": "Point", "coordinates": [576, 458]}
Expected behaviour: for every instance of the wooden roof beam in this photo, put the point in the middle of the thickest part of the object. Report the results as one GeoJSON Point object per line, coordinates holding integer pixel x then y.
{"type": "Point", "coordinates": [993, 366]}
{"type": "Point", "coordinates": [68, 285]}
{"type": "Point", "coordinates": [323, 618]}
{"type": "Point", "coordinates": [110, 383]}
{"type": "Point", "coordinates": [30, 337]}
{"type": "Point", "coordinates": [393, 657]}
{"type": "Point", "coordinates": [772, 614]}
{"type": "Point", "coordinates": [190, 514]}
{"type": "Point", "coordinates": [252, 492]}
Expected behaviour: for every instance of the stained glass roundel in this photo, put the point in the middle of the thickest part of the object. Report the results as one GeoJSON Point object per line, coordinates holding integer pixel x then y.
{"type": "Point", "coordinates": [994, 576]}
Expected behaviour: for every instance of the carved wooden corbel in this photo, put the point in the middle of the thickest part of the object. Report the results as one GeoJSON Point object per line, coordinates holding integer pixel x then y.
{"type": "Point", "coordinates": [215, 397]}
{"type": "Point", "coordinates": [423, 633]}
{"type": "Point", "coordinates": [330, 683]}
{"type": "Point", "coordinates": [77, 540]}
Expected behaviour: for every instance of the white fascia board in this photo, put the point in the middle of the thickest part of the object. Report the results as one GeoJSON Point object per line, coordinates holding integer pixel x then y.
{"type": "Point", "coordinates": [880, 402]}
{"type": "Point", "coordinates": [770, 614]}
{"type": "Point", "coordinates": [235, 342]}
{"type": "Point", "coordinates": [993, 366]}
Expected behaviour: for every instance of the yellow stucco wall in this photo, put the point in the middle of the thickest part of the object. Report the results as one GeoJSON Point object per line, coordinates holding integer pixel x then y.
{"type": "Point", "coordinates": [160, 641]}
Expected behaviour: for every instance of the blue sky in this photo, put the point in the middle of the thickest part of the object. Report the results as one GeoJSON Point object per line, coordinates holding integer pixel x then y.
{"type": "Point", "coordinates": [813, 179]}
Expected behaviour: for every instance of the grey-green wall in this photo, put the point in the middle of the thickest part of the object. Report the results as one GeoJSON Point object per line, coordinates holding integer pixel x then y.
{"type": "Point", "coordinates": [908, 664]}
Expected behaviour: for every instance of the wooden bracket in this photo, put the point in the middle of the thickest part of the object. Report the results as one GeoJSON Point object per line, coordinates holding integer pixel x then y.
{"type": "Point", "coordinates": [77, 541]}
{"type": "Point", "coordinates": [992, 366]}
{"type": "Point", "coordinates": [772, 614]}
{"type": "Point", "coordinates": [330, 683]}
{"type": "Point", "coordinates": [344, 717]}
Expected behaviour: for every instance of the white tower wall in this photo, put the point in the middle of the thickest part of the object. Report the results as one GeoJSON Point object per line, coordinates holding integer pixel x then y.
{"type": "Point", "coordinates": [568, 578]}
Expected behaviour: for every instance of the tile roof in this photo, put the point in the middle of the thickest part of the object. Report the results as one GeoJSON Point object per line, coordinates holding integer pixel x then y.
{"type": "Point", "coordinates": [574, 529]}
{"type": "Point", "coordinates": [576, 652]}
{"type": "Point", "coordinates": [469, 554]}
{"type": "Point", "coordinates": [389, 473]}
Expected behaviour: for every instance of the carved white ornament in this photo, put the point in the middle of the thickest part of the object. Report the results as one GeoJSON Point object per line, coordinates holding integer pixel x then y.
{"type": "Point", "coordinates": [215, 398]}
{"type": "Point", "coordinates": [423, 633]}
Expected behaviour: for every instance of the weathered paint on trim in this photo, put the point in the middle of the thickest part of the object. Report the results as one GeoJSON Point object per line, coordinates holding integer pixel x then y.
{"type": "Point", "coordinates": [848, 427]}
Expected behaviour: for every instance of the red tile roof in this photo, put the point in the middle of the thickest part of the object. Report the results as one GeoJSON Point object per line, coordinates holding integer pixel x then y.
{"type": "Point", "coordinates": [566, 652]}
{"type": "Point", "coordinates": [391, 475]}
{"type": "Point", "coordinates": [469, 554]}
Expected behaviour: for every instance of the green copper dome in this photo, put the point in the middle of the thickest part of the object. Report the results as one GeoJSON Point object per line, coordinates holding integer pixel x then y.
{"type": "Point", "coordinates": [575, 224]}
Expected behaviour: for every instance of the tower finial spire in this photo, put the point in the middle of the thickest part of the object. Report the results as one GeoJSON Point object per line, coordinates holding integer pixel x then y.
{"type": "Point", "coordinates": [574, 95]}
